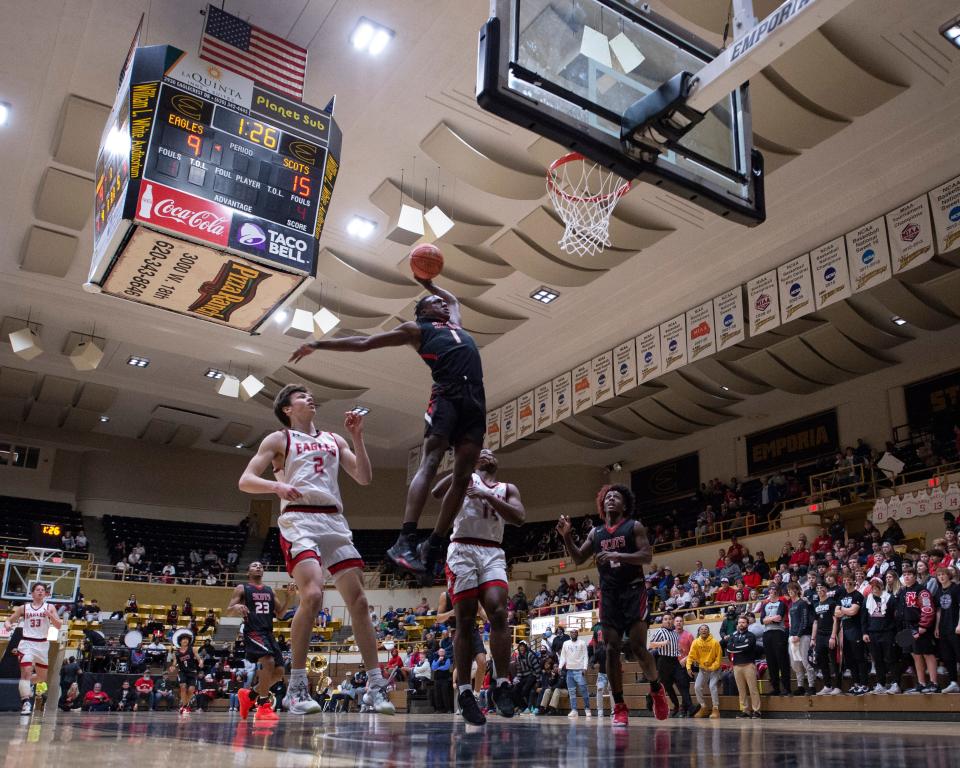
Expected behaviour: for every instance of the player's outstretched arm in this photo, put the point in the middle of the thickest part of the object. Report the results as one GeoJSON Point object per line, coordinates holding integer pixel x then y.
{"type": "Point", "coordinates": [579, 553]}
{"type": "Point", "coordinates": [355, 461]}
{"type": "Point", "coordinates": [453, 303]}
{"type": "Point", "coordinates": [403, 334]}
{"type": "Point", "coordinates": [270, 452]}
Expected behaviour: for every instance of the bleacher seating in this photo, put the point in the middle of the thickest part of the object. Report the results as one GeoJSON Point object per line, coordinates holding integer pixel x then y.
{"type": "Point", "coordinates": [169, 540]}
{"type": "Point", "coordinates": [18, 515]}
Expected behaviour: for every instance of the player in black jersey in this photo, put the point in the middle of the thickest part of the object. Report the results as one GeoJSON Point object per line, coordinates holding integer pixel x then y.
{"type": "Point", "coordinates": [622, 548]}
{"type": "Point", "coordinates": [456, 413]}
{"type": "Point", "coordinates": [256, 602]}
{"type": "Point", "coordinates": [186, 660]}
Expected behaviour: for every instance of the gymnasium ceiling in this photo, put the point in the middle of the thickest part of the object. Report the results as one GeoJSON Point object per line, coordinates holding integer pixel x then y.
{"type": "Point", "coordinates": [858, 119]}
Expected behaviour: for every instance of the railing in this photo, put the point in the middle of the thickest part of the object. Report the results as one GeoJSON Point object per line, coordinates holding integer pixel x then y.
{"type": "Point", "coordinates": [865, 482]}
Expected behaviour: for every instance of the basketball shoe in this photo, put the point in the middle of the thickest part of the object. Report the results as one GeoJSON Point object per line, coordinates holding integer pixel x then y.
{"type": "Point", "coordinates": [661, 709]}
{"type": "Point", "coordinates": [298, 700]}
{"type": "Point", "coordinates": [621, 715]}
{"type": "Point", "coordinates": [265, 714]}
{"type": "Point", "coordinates": [376, 699]}
{"type": "Point", "coordinates": [247, 699]}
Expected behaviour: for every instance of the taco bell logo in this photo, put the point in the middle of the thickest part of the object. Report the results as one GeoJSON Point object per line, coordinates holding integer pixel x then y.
{"type": "Point", "coordinates": [251, 234]}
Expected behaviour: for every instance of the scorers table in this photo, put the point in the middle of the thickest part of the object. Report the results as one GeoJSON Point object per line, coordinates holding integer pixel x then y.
{"type": "Point", "coordinates": [211, 191]}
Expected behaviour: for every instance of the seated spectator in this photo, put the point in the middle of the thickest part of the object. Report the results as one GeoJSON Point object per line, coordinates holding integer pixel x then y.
{"type": "Point", "coordinates": [187, 607]}
{"type": "Point", "coordinates": [800, 558]}
{"type": "Point", "coordinates": [233, 556]}
{"type": "Point", "coordinates": [342, 696]}
{"type": "Point", "coordinates": [894, 533]}
{"type": "Point", "coordinates": [67, 541]}
{"type": "Point", "coordinates": [126, 701]}
{"type": "Point", "coordinates": [736, 551]}
{"type": "Point", "coordinates": [395, 665]}
{"type": "Point", "coordinates": [823, 543]}
{"type": "Point", "coordinates": [837, 529]}
{"type": "Point", "coordinates": [751, 578]}
{"type": "Point", "coordinates": [730, 570]}
{"type": "Point", "coordinates": [421, 676]}
{"type": "Point", "coordinates": [144, 693]}
{"type": "Point", "coordinates": [211, 557]}
{"type": "Point", "coordinates": [173, 616]}
{"type": "Point", "coordinates": [552, 686]}
{"type": "Point", "coordinates": [423, 609]}
{"type": "Point", "coordinates": [96, 700]}
{"type": "Point", "coordinates": [131, 606]}
{"type": "Point", "coordinates": [80, 542]}
{"type": "Point", "coordinates": [70, 699]}
{"type": "Point", "coordinates": [726, 593]}
{"type": "Point", "coordinates": [699, 575]}
{"type": "Point", "coordinates": [138, 659]}
{"type": "Point", "coordinates": [92, 611]}
{"type": "Point", "coordinates": [210, 621]}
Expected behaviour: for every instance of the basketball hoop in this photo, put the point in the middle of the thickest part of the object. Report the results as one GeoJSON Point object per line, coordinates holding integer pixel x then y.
{"type": "Point", "coordinates": [584, 194]}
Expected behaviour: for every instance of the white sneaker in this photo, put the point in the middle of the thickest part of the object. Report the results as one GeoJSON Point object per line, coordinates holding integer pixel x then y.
{"type": "Point", "coordinates": [299, 702]}
{"type": "Point", "coordinates": [835, 692]}
{"type": "Point", "coordinates": [376, 699]}
{"type": "Point", "coordinates": [879, 689]}
{"type": "Point", "coordinates": [573, 714]}
{"type": "Point", "coordinates": [825, 691]}
{"type": "Point", "coordinates": [589, 714]}
{"type": "Point", "coordinates": [952, 688]}
{"type": "Point", "coordinates": [894, 688]}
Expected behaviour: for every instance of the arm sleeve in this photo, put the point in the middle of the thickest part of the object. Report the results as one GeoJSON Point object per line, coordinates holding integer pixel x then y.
{"type": "Point", "coordinates": [927, 613]}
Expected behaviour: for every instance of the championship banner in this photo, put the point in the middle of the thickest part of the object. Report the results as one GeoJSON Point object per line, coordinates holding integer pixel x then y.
{"type": "Point", "coordinates": [493, 430]}
{"type": "Point", "coordinates": [728, 312]}
{"type": "Point", "coordinates": [543, 405]}
{"type": "Point", "coordinates": [831, 278]}
{"type": "Point", "coordinates": [648, 354]}
{"type": "Point", "coordinates": [413, 462]}
{"type": "Point", "coordinates": [602, 377]}
{"type": "Point", "coordinates": [798, 440]}
{"type": "Point", "coordinates": [582, 388]}
{"type": "Point", "coordinates": [934, 402]}
{"type": "Point", "coordinates": [625, 367]}
{"type": "Point", "coordinates": [911, 235]}
{"type": "Point", "coordinates": [796, 288]}
{"type": "Point", "coordinates": [562, 397]}
{"type": "Point", "coordinates": [945, 203]}
{"type": "Point", "coordinates": [197, 281]}
{"type": "Point", "coordinates": [525, 420]}
{"type": "Point", "coordinates": [701, 336]}
{"type": "Point", "coordinates": [673, 343]}
{"type": "Point", "coordinates": [868, 255]}
{"type": "Point", "coordinates": [508, 423]}
{"type": "Point", "coordinates": [763, 305]}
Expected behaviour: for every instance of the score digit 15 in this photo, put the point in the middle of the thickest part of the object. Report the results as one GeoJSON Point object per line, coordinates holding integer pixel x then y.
{"type": "Point", "coordinates": [301, 185]}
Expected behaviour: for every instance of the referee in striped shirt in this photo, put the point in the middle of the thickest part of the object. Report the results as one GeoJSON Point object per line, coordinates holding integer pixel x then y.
{"type": "Point", "coordinates": [665, 645]}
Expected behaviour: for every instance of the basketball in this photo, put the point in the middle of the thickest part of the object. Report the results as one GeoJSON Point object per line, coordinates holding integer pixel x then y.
{"type": "Point", "coordinates": [426, 261]}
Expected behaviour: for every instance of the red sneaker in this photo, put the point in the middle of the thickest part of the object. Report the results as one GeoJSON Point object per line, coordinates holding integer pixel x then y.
{"type": "Point", "coordinates": [265, 714]}
{"type": "Point", "coordinates": [661, 709]}
{"type": "Point", "coordinates": [621, 715]}
{"type": "Point", "coordinates": [247, 699]}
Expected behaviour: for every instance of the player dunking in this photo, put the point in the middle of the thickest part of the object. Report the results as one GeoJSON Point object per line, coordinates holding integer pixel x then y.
{"type": "Point", "coordinates": [477, 572]}
{"type": "Point", "coordinates": [34, 647]}
{"type": "Point", "coordinates": [622, 548]}
{"type": "Point", "coordinates": [456, 414]}
{"type": "Point", "coordinates": [314, 533]}
{"type": "Point", "coordinates": [256, 602]}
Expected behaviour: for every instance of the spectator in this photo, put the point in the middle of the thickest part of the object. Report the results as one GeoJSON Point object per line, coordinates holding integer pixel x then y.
{"type": "Point", "coordinates": [878, 631]}
{"type": "Point", "coordinates": [947, 622]}
{"type": "Point", "coordinates": [395, 662]}
{"type": "Point", "coordinates": [705, 655]}
{"type": "Point", "coordinates": [573, 659]}
{"type": "Point", "coordinates": [730, 570]}
{"type": "Point", "coordinates": [685, 640]}
{"type": "Point", "coordinates": [80, 542]}
{"type": "Point", "coordinates": [760, 563]}
{"type": "Point", "coordinates": [96, 700]}
{"type": "Point", "coordinates": [736, 551]}
{"type": "Point", "coordinates": [423, 609]}
{"type": "Point", "coordinates": [67, 541]}
{"type": "Point", "coordinates": [751, 578]}
{"type": "Point", "coordinates": [823, 543]}
{"type": "Point", "coordinates": [553, 685]}
{"type": "Point", "coordinates": [163, 693]}
{"type": "Point", "coordinates": [421, 673]}
{"type": "Point", "coordinates": [665, 642]}
{"type": "Point", "coordinates": [825, 628]}
{"type": "Point", "coordinates": [742, 647]}
{"type": "Point", "coordinates": [916, 609]}
{"type": "Point", "coordinates": [144, 692]}
{"type": "Point", "coordinates": [131, 606]}
{"type": "Point", "coordinates": [800, 558]}
{"type": "Point", "coordinates": [187, 607]}
{"type": "Point", "coordinates": [442, 687]}
{"type": "Point", "coordinates": [699, 575]}
{"type": "Point", "coordinates": [837, 529]}
{"type": "Point", "coordinates": [891, 556]}
{"type": "Point", "coordinates": [69, 675]}
{"type": "Point", "coordinates": [126, 701]}
{"type": "Point", "coordinates": [603, 683]}
{"type": "Point", "coordinates": [559, 638]}
{"type": "Point", "coordinates": [726, 593]}
{"type": "Point", "coordinates": [233, 557]}
{"type": "Point", "coordinates": [520, 601]}
{"type": "Point", "coordinates": [70, 698]}
{"type": "Point", "coordinates": [774, 617]}
{"type": "Point", "coordinates": [172, 616]}
{"type": "Point", "coordinates": [526, 670]}
{"type": "Point", "coordinates": [800, 628]}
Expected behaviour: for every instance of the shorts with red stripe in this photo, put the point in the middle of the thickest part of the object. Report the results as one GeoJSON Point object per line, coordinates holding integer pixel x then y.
{"type": "Point", "coordinates": [474, 566]}
{"type": "Point", "coordinates": [33, 652]}
{"type": "Point", "coordinates": [621, 608]}
{"type": "Point", "coordinates": [317, 533]}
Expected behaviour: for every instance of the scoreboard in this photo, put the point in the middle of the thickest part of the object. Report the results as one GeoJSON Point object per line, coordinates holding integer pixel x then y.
{"type": "Point", "coordinates": [211, 191]}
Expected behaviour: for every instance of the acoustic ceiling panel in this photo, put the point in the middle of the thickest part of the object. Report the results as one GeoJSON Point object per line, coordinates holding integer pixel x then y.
{"type": "Point", "coordinates": [360, 277]}
{"type": "Point", "coordinates": [158, 431]}
{"type": "Point", "coordinates": [762, 365]}
{"type": "Point", "coordinates": [233, 434]}
{"type": "Point", "coordinates": [96, 397]}
{"type": "Point", "coordinates": [64, 199]}
{"type": "Point", "coordinates": [725, 376]}
{"type": "Point", "coordinates": [833, 345]}
{"type": "Point", "coordinates": [47, 252]}
{"type": "Point", "coordinates": [81, 419]}
{"type": "Point", "coordinates": [57, 390]}
{"type": "Point", "coordinates": [901, 300]}
{"type": "Point", "coordinates": [15, 382]}
{"type": "Point", "coordinates": [534, 262]}
{"type": "Point", "coordinates": [185, 436]}
{"type": "Point", "coordinates": [854, 323]}
{"type": "Point", "coordinates": [78, 133]}
{"type": "Point", "coordinates": [798, 356]}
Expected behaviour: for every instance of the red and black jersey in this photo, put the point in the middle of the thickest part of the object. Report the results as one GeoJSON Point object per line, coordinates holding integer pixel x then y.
{"type": "Point", "coordinates": [261, 604]}
{"type": "Point", "coordinates": [451, 353]}
{"type": "Point", "coordinates": [620, 538]}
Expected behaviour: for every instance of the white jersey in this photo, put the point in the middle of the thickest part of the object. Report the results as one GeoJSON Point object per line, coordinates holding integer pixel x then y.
{"type": "Point", "coordinates": [36, 622]}
{"type": "Point", "coordinates": [312, 466]}
{"type": "Point", "coordinates": [477, 519]}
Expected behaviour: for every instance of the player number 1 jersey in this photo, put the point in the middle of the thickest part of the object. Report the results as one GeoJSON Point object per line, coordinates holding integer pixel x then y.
{"type": "Point", "coordinates": [477, 519]}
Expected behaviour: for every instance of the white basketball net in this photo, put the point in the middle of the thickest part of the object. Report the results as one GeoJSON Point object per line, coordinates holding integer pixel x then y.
{"type": "Point", "coordinates": [584, 194]}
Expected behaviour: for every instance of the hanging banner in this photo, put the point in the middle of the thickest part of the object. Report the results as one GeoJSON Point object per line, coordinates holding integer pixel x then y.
{"type": "Point", "coordinates": [911, 235]}
{"type": "Point", "coordinates": [831, 278]}
{"type": "Point", "coordinates": [673, 343]}
{"type": "Point", "coordinates": [562, 397]}
{"type": "Point", "coordinates": [543, 405]}
{"type": "Point", "coordinates": [728, 311]}
{"type": "Point", "coordinates": [763, 303]}
{"type": "Point", "coordinates": [868, 255]}
{"type": "Point", "coordinates": [796, 288]}
{"type": "Point", "coordinates": [493, 429]}
{"type": "Point", "coordinates": [648, 354]}
{"type": "Point", "coordinates": [525, 420]}
{"type": "Point", "coordinates": [625, 367]}
{"type": "Point", "coordinates": [413, 462]}
{"type": "Point", "coordinates": [701, 336]}
{"type": "Point", "coordinates": [601, 380]}
{"type": "Point", "coordinates": [945, 203]}
{"type": "Point", "coordinates": [582, 388]}
{"type": "Point", "coordinates": [508, 423]}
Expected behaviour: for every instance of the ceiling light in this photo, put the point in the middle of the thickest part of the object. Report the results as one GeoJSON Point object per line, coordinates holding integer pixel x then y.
{"type": "Point", "coordinates": [544, 295]}
{"type": "Point", "coordinates": [213, 373]}
{"type": "Point", "coordinates": [25, 343]}
{"type": "Point", "coordinates": [85, 352]}
{"type": "Point", "coordinates": [360, 410]}
{"type": "Point", "coordinates": [250, 386]}
{"type": "Point", "coordinates": [104, 419]}
{"type": "Point", "coordinates": [898, 320]}
{"type": "Point", "coordinates": [951, 31]}
{"type": "Point", "coordinates": [724, 388]}
{"type": "Point", "coordinates": [300, 325]}
{"type": "Point", "coordinates": [229, 386]}
{"type": "Point", "coordinates": [438, 221]}
{"type": "Point", "coordinates": [281, 317]}
{"type": "Point", "coordinates": [360, 227]}
{"type": "Point", "coordinates": [4, 112]}
{"type": "Point", "coordinates": [118, 142]}
{"type": "Point", "coordinates": [238, 445]}
{"type": "Point", "coordinates": [324, 321]}
{"type": "Point", "coordinates": [138, 362]}
{"type": "Point", "coordinates": [370, 37]}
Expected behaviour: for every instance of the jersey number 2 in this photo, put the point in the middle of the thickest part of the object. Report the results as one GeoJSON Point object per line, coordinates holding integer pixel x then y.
{"type": "Point", "coordinates": [318, 465]}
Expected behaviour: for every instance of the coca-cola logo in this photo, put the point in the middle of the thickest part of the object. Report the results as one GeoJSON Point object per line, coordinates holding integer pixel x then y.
{"type": "Point", "coordinates": [204, 221]}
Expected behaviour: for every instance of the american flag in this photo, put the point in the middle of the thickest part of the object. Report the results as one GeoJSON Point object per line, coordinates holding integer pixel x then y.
{"type": "Point", "coordinates": [249, 51]}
